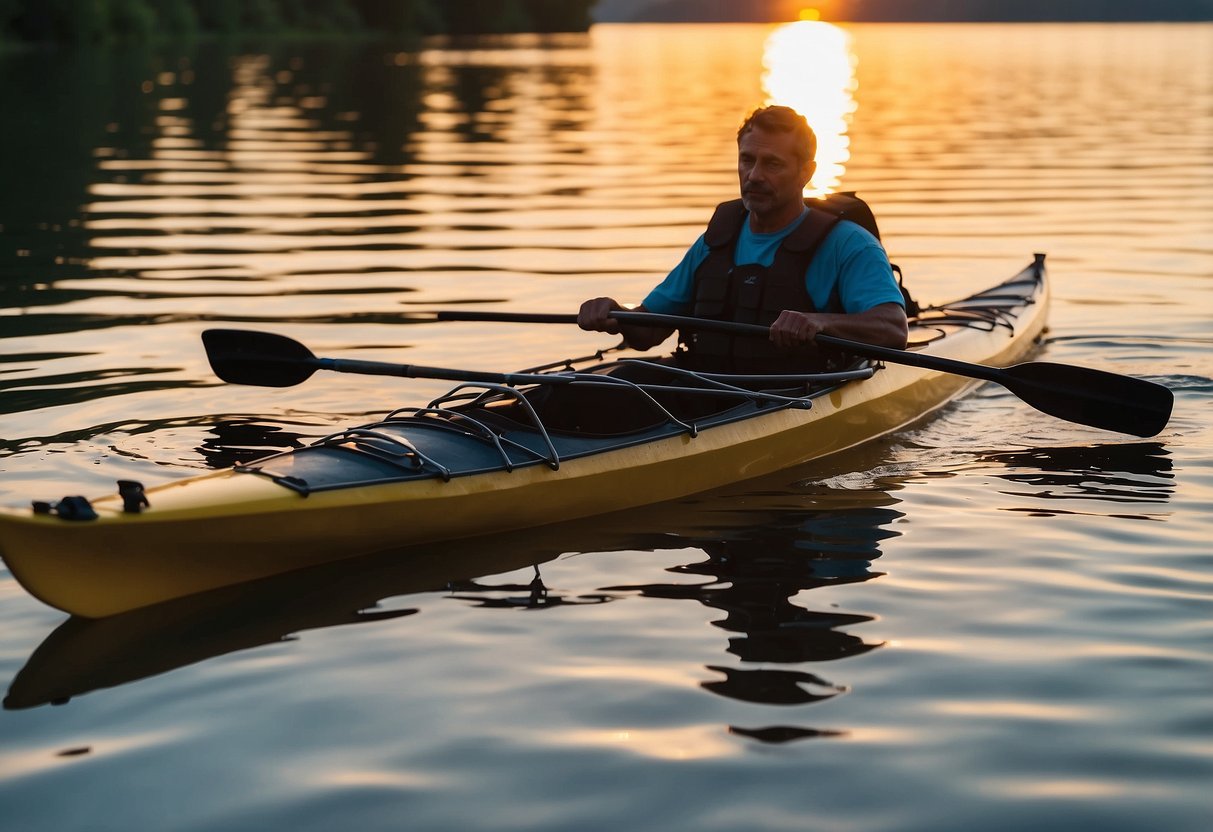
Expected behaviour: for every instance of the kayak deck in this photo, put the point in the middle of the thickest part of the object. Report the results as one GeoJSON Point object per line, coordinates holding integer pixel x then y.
{"type": "Point", "coordinates": [482, 428]}
{"type": "Point", "coordinates": [488, 458]}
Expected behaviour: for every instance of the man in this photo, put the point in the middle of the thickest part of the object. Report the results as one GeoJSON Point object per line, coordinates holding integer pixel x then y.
{"type": "Point", "coordinates": [743, 269]}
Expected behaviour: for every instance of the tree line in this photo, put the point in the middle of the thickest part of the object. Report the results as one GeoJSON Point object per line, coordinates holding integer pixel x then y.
{"type": "Point", "coordinates": [100, 21]}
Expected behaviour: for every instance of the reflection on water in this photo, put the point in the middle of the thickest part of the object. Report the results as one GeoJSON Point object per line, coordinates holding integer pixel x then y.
{"type": "Point", "coordinates": [534, 595]}
{"type": "Point", "coordinates": [760, 560]}
{"type": "Point", "coordinates": [810, 67]}
{"type": "Point", "coordinates": [68, 389]}
{"type": "Point", "coordinates": [1137, 472]}
{"type": "Point", "coordinates": [754, 578]}
{"type": "Point", "coordinates": [235, 442]}
{"type": "Point", "coordinates": [82, 655]}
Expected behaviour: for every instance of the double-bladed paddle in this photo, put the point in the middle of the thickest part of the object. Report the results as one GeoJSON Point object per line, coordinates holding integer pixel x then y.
{"type": "Point", "coordinates": [1076, 394]}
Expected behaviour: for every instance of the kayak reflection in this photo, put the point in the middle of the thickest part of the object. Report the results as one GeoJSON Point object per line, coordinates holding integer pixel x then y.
{"type": "Point", "coordinates": [531, 596]}
{"type": "Point", "coordinates": [84, 655]}
{"type": "Point", "coordinates": [757, 575]}
{"type": "Point", "coordinates": [1136, 472]}
{"type": "Point", "coordinates": [763, 550]}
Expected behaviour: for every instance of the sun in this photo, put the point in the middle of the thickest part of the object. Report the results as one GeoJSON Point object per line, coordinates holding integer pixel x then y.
{"type": "Point", "coordinates": [809, 66]}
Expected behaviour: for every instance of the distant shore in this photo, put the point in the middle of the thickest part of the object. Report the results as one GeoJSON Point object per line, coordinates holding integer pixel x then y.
{"type": "Point", "coordinates": [906, 11]}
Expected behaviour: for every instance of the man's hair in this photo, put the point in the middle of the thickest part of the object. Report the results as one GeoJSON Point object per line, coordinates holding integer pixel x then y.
{"type": "Point", "coordinates": [780, 119]}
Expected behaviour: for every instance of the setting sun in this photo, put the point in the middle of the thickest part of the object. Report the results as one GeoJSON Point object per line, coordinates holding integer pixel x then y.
{"type": "Point", "coordinates": [808, 65]}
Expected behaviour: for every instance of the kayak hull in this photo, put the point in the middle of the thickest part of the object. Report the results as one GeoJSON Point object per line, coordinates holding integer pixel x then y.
{"type": "Point", "coordinates": [232, 526]}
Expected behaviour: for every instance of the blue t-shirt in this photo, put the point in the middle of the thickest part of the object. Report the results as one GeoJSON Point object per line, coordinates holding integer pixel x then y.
{"type": "Point", "coordinates": [849, 258]}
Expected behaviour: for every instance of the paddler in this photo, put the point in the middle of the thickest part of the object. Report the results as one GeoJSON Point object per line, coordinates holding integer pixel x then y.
{"type": "Point", "coordinates": [770, 259]}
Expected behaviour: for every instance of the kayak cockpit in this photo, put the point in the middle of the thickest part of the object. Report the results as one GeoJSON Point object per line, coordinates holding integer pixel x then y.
{"type": "Point", "coordinates": [477, 428]}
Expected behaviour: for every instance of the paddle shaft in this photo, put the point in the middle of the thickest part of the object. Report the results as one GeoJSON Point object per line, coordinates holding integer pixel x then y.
{"type": "Point", "coordinates": [383, 368]}
{"type": "Point", "coordinates": [913, 359]}
{"type": "Point", "coordinates": [1077, 394]}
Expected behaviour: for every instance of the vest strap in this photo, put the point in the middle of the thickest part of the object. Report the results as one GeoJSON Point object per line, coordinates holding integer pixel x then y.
{"type": "Point", "coordinates": [806, 237]}
{"type": "Point", "coordinates": [725, 224]}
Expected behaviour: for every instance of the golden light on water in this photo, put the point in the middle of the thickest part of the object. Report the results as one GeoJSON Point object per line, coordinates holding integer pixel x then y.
{"type": "Point", "coordinates": [809, 66]}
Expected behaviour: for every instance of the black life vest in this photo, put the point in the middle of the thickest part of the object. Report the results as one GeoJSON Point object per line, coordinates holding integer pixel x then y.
{"type": "Point", "coordinates": [754, 294]}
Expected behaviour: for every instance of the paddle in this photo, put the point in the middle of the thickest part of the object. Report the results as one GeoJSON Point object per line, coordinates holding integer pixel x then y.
{"type": "Point", "coordinates": [265, 359]}
{"type": "Point", "coordinates": [1076, 394]}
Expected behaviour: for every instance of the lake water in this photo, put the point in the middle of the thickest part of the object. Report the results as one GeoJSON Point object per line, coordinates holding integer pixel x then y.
{"type": "Point", "coordinates": [994, 620]}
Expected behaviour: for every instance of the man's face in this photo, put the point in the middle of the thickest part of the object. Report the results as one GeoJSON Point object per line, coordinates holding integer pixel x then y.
{"type": "Point", "coordinates": [772, 176]}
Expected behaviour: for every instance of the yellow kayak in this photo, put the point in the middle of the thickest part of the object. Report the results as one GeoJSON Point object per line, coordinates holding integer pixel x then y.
{"type": "Point", "coordinates": [492, 457]}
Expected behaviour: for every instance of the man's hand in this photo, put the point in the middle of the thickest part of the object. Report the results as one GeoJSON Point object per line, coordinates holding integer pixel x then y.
{"type": "Point", "coordinates": [595, 315]}
{"type": "Point", "coordinates": [883, 325]}
{"type": "Point", "coordinates": [795, 329]}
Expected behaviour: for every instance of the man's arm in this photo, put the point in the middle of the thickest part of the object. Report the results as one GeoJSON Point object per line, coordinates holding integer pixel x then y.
{"type": "Point", "coordinates": [671, 297]}
{"type": "Point", "coordinates": [595, 315]}
{"type": "Point", "coordinates": [883, 325]}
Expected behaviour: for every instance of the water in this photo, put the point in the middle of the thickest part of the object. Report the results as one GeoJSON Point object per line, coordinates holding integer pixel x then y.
{"type": "Point", "coordinates": [994, 620]}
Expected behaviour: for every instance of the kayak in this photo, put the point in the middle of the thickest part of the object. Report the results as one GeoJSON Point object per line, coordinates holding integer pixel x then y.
{"type": "Point", "coordinates": [490, 457]}
{"type": "Point", "coordinates": [538, 447]}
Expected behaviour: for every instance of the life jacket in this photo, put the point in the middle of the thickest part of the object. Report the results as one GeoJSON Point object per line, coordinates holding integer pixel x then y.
{"type": "Point", "coordinates": [754, 294]}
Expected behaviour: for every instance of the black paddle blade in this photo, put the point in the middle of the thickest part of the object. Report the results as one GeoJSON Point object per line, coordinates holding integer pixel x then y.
{"type": "Point", "coordinates": [1092, 397]}
{"type": "Point", "coordinates": [262, 359]}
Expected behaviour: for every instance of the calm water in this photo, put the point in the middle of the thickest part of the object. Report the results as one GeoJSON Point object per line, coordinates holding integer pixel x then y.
{"type": "Point", "coordinates": [993, 621]}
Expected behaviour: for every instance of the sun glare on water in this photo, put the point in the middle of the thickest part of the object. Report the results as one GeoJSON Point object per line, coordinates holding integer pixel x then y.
{"type": "Point", "coordinates": [808, 65]}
